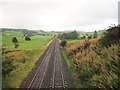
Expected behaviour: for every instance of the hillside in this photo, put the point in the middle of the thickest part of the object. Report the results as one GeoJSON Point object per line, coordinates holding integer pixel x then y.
{"type": "Point", "coordinates": [96, 60]}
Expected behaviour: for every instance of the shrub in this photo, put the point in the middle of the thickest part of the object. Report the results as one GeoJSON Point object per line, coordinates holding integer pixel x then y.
{"type": "Point", "coordinates": [16, 45]}
{"type": "Point", "coordinates": [63, 43]}
{"type": "Point", "coordinates": [7, 65]}
{"type": "Point", "coordinates": [86, 44]}
{"type": "Point", "coordinates": [27, 38]}
{"type": "Point", "coordinates": [110, 36]}
{"type": "Point", "coordinates": [89, 37]}
{"type": "Point", "coordinates": [14, 40]}
{"type": "Point", "coordinates": [95, 34]}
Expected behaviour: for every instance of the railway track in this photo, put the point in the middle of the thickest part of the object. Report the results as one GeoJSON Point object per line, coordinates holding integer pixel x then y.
{"type": "Point", "coordinates": [58, 79]}
{"type": "Point", "coordinates": [39, 75]}
{"type": "Point", "coordinates": [51, 72]}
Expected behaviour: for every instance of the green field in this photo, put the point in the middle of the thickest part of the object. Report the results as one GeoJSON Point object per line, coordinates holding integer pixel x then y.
{"type": "Point", "coordinates": [24, 57]}
{"type": "Point", "coordinates": [35, 43]}
{"type": "Point", "coordinates": [74, 41]}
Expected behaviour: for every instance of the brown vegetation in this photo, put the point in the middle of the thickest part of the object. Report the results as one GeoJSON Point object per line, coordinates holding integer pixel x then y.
{"type": "Point", "coordinates": [97, 64]}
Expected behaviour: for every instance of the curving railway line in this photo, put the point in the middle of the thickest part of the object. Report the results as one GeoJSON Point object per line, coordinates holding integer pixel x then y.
{"type": "Point", "coordinates": [50, 71]}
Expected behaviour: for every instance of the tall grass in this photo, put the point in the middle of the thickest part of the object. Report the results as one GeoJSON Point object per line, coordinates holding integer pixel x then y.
{"type": "Point", "coordinates": [97, 66]}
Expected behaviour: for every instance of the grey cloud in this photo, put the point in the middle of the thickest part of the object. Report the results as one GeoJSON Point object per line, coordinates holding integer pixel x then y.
{"type": "Point", "coordinates": [57, 14]}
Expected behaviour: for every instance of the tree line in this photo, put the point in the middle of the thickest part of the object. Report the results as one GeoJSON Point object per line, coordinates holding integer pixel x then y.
{"type": "Point", "coordinates": [74, 35]}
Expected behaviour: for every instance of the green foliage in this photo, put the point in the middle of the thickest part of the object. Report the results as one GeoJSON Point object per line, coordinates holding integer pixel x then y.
{"type": "Point", "coordinates": [14, 40]}
{"type": "Point", "coordinates": [35, 43]}
{"type": "Point", "coordinates": [95, 34]}
{"type": "Point", "coordinates": [69, 35]}
{"type": "Point", "coordinates": [110, 36]}
{"type": "Point", "coordinates": [7, 65]}
{"type": "Point", "coordinates": [27, 38]}
{"type": "Point", "coordinates": [16, 45]}
{"type": "Point", "coordinates": [60, 36]}
{"type": "Point", "coordinates": [89, 37]}
{"type": "Point", "coordinates": [28, 32]}
{"type": "Point", "coordinates": [23, 59]}
{"type": "Point", "coordinates": [63, 43]}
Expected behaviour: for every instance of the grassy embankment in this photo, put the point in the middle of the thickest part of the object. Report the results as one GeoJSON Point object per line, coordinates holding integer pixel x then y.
{"type": "Point", "coordinates": [72, 69]}
{"type": "Point", "coordinates": [94, 64]}
{"type": "Point", "coordinates": [71, 64]}
{"type": "Point", "coordinates": [24, 57]}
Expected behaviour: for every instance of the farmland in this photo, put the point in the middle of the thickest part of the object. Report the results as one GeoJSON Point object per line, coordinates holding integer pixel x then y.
{"type": "Point", "coordinates": [35, 43]}
{"type": "Point", "coordinates": [24, 57]}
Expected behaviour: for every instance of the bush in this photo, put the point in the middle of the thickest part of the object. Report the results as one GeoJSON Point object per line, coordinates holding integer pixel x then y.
{"type": "Point", "coordinates": [110, 36]}
{"type": "Point", "coordinates": [16, 45]}
{"type": "Point", "coordinates": [95, 34]}
{"type": "Point", "coordinates": [89, 37]}
{"type": "Point", "coordinates": [14, 40]}
{"type": "Point", "coordinates": [63, 43]}
{"type": "Point", "coordinates": [7, 66]}
{"type": "Point", "coordinates": [27, 38]}
{"type": "Point", "coordinates": [86, 44]}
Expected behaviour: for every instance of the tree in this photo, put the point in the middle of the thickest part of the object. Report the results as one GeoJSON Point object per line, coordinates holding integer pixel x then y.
{"type": "Point", "coordinates": [95, 34]}
{"type": "Point", "coordinates": [27, 38]}
{"type": "Point", "coordinates": [63, 43]}
{"type": "Point", "coordinates": [60, 36]}
{"type": "Point", "coordinates": [89, 37]}
{"type": "Point", "coordinates": [15, 41]}
{"type": "Point", "coordinates": [111, 36]}
{"type": "Point", "coordinates": [70, 35]}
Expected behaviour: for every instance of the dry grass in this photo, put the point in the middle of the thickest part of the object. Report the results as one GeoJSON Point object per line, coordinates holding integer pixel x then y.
{"type": "Point", "coordinates": [97, 66]}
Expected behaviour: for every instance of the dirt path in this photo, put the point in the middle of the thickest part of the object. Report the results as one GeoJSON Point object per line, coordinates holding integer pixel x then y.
{"type": "Point", "coordinates": [50, 71]}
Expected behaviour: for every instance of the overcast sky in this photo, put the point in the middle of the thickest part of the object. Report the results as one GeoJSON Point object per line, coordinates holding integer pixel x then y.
{"type": "Point", "coordinates": [58, 15]}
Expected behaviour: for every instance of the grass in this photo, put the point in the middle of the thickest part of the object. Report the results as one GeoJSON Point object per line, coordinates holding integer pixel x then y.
{"type": "Point", "coordinates": [74, 72]}
{"type": "Point", "coordinates": [97, 66]}
{"type": "Point", "coordinates": [22, 69]}
{"type": "Point", "coordinates": [24, 57]}
{"type": "Point", "coordinates": [75, 41]}
{"type": "Point", "coordinates": [35, 43]}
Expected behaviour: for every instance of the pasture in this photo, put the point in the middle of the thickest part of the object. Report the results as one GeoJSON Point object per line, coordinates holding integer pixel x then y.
{"type": "Point", "coordinates": [35, 43]}
{"type": "Point", "coordinates": [24, 57]}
